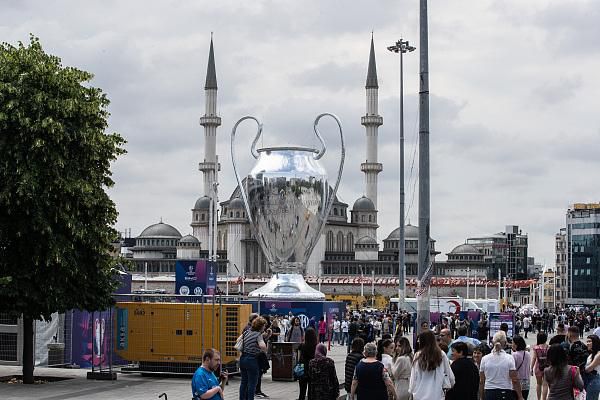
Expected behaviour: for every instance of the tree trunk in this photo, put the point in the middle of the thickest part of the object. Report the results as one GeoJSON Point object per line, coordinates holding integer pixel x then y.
{"type": "Point", "coordinates": [27, 350]}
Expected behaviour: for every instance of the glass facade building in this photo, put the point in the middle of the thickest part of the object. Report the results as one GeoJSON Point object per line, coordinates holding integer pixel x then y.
{"type": "Point", "coordinates": [583, 246]}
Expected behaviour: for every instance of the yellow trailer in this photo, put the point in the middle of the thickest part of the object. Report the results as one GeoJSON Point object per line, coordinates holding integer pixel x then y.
{"type": "Point", "coordinates": [171, 337]}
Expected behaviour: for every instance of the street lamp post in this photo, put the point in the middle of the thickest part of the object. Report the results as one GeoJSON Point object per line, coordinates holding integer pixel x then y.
{"type": "Point", "coordinates": [468, 272]}
{"type": "Point", "coordinates": [401, 47]}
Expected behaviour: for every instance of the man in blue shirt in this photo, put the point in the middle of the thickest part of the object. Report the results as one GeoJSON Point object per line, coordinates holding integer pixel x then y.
{"type": "Point", "coordinates": [472, 343]}
{"type": "Point", "coordinates": [205, 384]}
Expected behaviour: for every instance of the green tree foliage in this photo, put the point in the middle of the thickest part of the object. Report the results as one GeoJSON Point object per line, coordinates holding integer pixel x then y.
{"type": "Point", "coordinates": [55, 215]}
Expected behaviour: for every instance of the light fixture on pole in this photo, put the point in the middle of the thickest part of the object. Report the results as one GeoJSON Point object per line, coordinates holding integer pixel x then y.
{"type": "Point", "coordinates": [401, 47]}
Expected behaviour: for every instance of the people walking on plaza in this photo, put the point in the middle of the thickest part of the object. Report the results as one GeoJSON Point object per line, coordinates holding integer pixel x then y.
{"type": "Point", "coordinates": [560, 335]}
{"type": "Point", "coordinates": [323, 379]}
{"type": "Point", "coordinates": [498, 378]}
{"type": "Point", "coordinates": [431, 373]}
{"type": "Point", "coordinates": [205, 384]}
{"type": "Point", "coordinates": [522, 362]}
{"type": "Point", "coordinates": [296, 332]}
{"type": "Point", "coordinates": [307, 353]}
{"type": "Point", "coordinates": [526, 325]}
{"type": "Point", "coordinates": [592, 368]}
{"type": "Point", "coordinates": [577, 352]}
{"type": "Point", "coordinates": [345, 341]}
{"type": "Point", "coordinates": [358, 346]}
{"type": "Point", "coordinates": [385, 353]}
{"type": "Point", "coordinates": [322, 326]}
{"type": "Point", "coordinates": [401, 368]}
{"type": "Point", "coordinates": [479, 352]}
{"type": "Point", "coordinates": [352, 332]}
{"type": "Point", "coordinates": [466, 374]}
{"type": "Point", "coordinates": [371, 380]}
{"type": "Point", "coordinates": [560, 378]}
{"type": "Point", "coordinates": [539, 361]}
{"type": "Point", "coordinates": [337, 331]}
{"type": "Point", "coordinates": [252, 344]}
{"type": "Point", "coordinates": [462, 337]}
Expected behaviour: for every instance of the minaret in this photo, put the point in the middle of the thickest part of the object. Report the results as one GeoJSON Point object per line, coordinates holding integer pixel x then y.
{"type": "Point", "coordinates": [210, 121]}
{"type": "Point", "coordinates": [371, 121]}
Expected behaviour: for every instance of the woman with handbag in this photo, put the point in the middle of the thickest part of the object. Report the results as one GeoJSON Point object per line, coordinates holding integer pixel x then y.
{"type": "Point", "coordinates": [522, 363]}
{"type": "Point", "coordinates": [252, 343]}
{"type": "Point", "coordinates": [431, 374]}
{"type": "Point", "coordinates": [561, 380]}
{"type": "Point", "coordinates": [324, 384]}
{"type": "Point", "coordinates": [307, 353]}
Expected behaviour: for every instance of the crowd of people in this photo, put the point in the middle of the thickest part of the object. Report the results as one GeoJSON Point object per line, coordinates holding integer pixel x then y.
{"type": "Point", "coordinates": [451, 359]}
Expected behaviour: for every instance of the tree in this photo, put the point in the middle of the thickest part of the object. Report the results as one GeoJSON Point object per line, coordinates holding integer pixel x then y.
{"type": "Point", "coordinates": [55, 216]}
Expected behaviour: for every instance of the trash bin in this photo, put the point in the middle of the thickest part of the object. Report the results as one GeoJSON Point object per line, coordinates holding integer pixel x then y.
{"type": "Point", "coordinates": [56, 354]}
{"type": "Point", "coordinates": [283, 360]}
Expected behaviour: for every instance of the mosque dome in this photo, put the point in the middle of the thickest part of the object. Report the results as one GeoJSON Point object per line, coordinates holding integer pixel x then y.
{"type": "Point", "coordinates": [160, 230]}
{"type": "Point", "coordinates": [366, 240]}
{"type": "Point", "coordinates": [236, 203]}
{"type": "Point", "coordinates": [410, 232]}
{"type": "Point", "coordinates": [189, 239]}
{"type": "Point", "coordinates": [363, 204]}
{"type": "Point", "coordinates": [203, 203]}
{"type": "Point", "coordinates": [465, 249]}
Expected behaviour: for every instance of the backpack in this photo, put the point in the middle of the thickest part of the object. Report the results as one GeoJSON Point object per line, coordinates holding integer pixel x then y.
{"type": "Point", "coordinates": [578, 354]}
{"type": "Point", "coordinates": [542, 359]}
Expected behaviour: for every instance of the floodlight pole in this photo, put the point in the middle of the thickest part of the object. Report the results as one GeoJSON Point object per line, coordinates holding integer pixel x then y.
{"type": "Point", "coordinates": [401, 47]}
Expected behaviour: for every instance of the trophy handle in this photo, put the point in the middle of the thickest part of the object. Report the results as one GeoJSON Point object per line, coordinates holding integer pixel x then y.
{"type": "Point", "coordinates": [254, 154]}
{"type": "Point", "coordinates": [322, 152]}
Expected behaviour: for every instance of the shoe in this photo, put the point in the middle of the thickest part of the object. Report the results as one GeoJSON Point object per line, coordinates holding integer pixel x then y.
{"type": "Point", "coordinates": [261, 395]}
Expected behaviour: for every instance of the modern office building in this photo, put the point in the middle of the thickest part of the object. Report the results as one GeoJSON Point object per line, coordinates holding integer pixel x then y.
{"type": "Point", "coordinates": [505, 252]}
{"type": "Point", "coordinates": [583, 254]}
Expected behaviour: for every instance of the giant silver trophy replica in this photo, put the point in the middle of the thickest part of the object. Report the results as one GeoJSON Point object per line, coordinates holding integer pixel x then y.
{"type": "Point", "coordinates": [287, 198]}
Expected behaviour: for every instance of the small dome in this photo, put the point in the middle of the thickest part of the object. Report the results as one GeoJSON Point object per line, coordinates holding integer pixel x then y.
{"type": "Point", "coordinates": [160, 230]}
{"type": "Point", "coordinates": [465, 249]}
{"type": "Point", "coordinates": [237, 203]}
{"type": "Point", "coordinates": [203, 203]}
{"type": "Point", "coordinates": [363, 204]}
{"type": "Point", "coordinates": [410, 232]}
{"type": "Point", "coordinates": [189, 239]}
{"type": "Point", "coordinates": [366, 240]}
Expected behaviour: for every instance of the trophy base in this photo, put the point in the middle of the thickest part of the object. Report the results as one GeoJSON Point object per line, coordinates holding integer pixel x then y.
{"type": "Point", "coordinates": [283, 286]}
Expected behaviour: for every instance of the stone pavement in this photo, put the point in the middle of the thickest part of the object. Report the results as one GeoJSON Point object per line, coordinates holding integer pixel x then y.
{"type": "Point", "coordinates": [136, 387]}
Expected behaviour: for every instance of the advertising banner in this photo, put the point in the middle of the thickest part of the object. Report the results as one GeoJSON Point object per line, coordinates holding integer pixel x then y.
{"type": "Point", "coordinates": [211, 277]}
{"type": "Point", "coordinates": [305, 310]}
{"type": "Point", "coordinates": [122, 328]}
{"type": "Point", "coordinates": [496, 319]}
{"type": "Point", "coordinates": [191, 277]}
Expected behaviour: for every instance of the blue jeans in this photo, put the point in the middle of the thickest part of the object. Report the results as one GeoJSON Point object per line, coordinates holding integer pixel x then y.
{"type": "Point", "coordinates": [592, 390]}
{"type": "Point", "coordinates": [250, 372]}
{"type": "Point", "coordinates": [344, 338]}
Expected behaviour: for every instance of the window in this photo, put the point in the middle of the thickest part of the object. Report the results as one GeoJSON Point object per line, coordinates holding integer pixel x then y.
{"type": "Point", "coordinates": [329, 241]}
{"type": "Point", "coordinates": [370, 218]}
{"type": "Point", "coordinates": [362, 218]}
{"type": "Point", "coordinates": [350, 242]}
{"type": "Point", "coordinates": [587, 261]}
{"type": "Point", "coordinates": [340, 241]}
{"type": "Point", "coordinates": [335, 211]}
{"type": "Point", "coordinates": [196, 216]}
{"type": "Point", "coordinates": [202, 217]}
{"type": "Point", "coordinates": [237, 214]}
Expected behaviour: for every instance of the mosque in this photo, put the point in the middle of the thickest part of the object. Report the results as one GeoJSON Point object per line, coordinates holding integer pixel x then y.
{"type": "Point", "coordinates": [348, 243]}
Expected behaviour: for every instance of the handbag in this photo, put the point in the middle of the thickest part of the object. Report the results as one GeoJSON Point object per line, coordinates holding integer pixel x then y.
{"type": "Point", "coordinates": [299, 371]}
{"type": "Point", "coordinates": [239, 343]}
{"type": "Point", "coordinates": [577, 394]}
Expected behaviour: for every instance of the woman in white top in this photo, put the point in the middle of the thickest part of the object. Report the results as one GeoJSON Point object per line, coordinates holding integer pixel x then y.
{"type": "Point", "coordinates": [401, 368]}
{"type": "Point", "coordinates": [592, 367]}
{"type": "Point", "coordinates": [431, 373]}
{"type": "Point", "coordinates": [498, 377]}
{"type": "Point", "coordinates": [385, 353]}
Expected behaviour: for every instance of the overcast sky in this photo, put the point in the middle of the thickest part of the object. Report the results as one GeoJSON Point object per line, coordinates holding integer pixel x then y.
{"type": "Point", "coordinates": [514, 112]}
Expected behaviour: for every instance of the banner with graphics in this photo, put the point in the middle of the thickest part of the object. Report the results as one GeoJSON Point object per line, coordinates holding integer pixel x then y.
{"type": "Point", "coordinates": [496, 319]}
{"type": "Point", "coordinates": [191, 277]}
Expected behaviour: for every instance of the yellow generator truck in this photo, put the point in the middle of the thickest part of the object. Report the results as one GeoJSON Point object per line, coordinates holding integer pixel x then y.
{"type": "Point", "coordinates": [171, 337]}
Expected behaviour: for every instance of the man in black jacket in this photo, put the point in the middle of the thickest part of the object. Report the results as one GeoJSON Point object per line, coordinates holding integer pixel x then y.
{"type": "Point", "coordinates": [465, 373]}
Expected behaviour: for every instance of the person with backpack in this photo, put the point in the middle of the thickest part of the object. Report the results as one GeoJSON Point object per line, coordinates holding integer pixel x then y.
{"type": "Point", "coordinates": [577, 352]}
{"type": "Point", "coordinates": [539, 361]}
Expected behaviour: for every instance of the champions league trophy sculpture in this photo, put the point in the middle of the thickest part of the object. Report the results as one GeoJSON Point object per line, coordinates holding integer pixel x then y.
{"type": "Point", "coordinates": [287, 198]}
